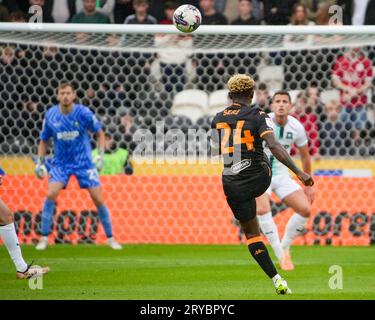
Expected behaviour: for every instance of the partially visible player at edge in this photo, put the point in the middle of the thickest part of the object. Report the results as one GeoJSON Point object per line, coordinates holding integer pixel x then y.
{"type": "Point", "coordinates": [68, 124]}
{"type": "Point", "coordinates": [288, 131]}
{"type": "Point", "coordinates": [9, 236]}
{"type": "Point", "coordinates": [237, 134]}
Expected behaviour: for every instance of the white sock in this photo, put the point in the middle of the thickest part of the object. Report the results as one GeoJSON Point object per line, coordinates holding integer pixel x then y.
{"type": "Point", "coordinates": [293, 229]}
{"type": "Point", "coordinates": [269, 229]}
{"type": "Point", "coordinates": [9, 235]}
{"type": "Point", "coordinates": [275, 278]}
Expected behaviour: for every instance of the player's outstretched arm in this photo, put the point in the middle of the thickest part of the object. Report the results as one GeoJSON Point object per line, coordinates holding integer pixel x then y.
{"type": "Point", "coordinates": [306, 165]}
{"type": "Point", "coordinates": [283, 156]}
{"type": "Point", "coordinates": [42, 149]}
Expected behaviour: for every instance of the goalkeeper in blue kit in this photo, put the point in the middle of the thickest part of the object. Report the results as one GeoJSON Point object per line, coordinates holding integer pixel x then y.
{"type": "Point", "coordinates": [68, 124]}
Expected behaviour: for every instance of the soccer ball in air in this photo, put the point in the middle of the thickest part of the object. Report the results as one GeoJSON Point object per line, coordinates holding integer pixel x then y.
{"type": "Point", "coordinates": [187, 18]}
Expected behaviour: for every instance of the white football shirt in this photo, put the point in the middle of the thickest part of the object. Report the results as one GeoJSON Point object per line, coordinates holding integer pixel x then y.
{"type": "Point", "coordinates": [292, 132]}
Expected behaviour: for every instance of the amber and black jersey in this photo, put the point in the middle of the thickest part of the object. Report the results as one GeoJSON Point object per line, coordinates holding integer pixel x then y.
{"type": "Point", "coordinates": [237, 132]}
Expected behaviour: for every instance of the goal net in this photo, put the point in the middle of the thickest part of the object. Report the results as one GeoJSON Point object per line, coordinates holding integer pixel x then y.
{"type": "Point", "coordinates": [156, 91]}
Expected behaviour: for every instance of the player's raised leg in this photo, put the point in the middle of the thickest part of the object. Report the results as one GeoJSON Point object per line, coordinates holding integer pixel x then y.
{"type": "Point", "coordinates": [268, 225]}
{"type": "Point", "coordinates": [299, 202]}
{"type": "Point", "coordinates": [104, 217]}
{"type": "Point", "coordinates": [54, 189]}
{"type": "Point", "coordinates": [10, 239]}
{"type": "Point", "coordinates": [245, 212]}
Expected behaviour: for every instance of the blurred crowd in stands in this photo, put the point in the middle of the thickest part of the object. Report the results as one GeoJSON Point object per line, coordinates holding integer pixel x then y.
{"type": "Point", "coordinates": [214, 12]}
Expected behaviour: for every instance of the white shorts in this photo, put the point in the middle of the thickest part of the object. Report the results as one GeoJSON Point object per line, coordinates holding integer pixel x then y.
{"type": "Point", "coordinates": [283, 185]}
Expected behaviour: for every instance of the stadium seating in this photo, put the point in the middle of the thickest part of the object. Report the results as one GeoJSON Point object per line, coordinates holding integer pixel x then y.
{"type": "Point", "coordinates": [191, 103]}
{"type": "Point", "coordinates": [217, 101]}
{"type": "Point", "coordinates": [273, 76]}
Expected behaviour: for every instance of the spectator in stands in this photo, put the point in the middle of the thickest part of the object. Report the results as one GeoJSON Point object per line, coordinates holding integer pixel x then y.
{"type": "Point", "coordinates": [352, 75]}
{"type": "Point", "coordinates": [299, 18]}
{"type": "Point", "coordinates": [12, 5]}
{"type": "Point", "coordinates": [322, 16]}
{"type": "Point", "coordinates": [313, 99]}
{"type": "Point", "coordinates": [231, 10]}
{"type": "Point", "coordinates": [89, 14]}
{"type": "Point", "coordinates": [277, 12]}
{"type": "Point", "coordinates": [304, 113]}
{"type": "Point", "coordinates": [60, 10]}
{"type": "Point", "coordinates": [105, 7]}
{"type": "Point", "coordinates": [358, 12]}
{"type": "Point", "coordinates": [335, 137]}
{"type": "Point", "coordinates": [49, 51]}
{"type": "Point", "coordinates": [8, 56]}
{"type": "Point", "coordinates": [18, 16]}
{"type": "Point", "coordinates": [262, 97]}
{"type": "Point", "coordinates": [245, 14]}
{"type": "Point", "coordinates": [210, 15]}
{"type": "Point", "coordinates": [157, 9]}
{"type": "Point", "coordinates": [170, 7]}
{"type": "Point", "coordinates": [220, 5]}
{"type": "Point", "coordinates": [123, 9]}
{"type": "Point", "coordinates": [47, 18]}
{"type": "Point", "coordinates": [116, 160]}
{"type": "Point", "coordinates": [141, 16]}
{"type": "Point", "coordinates": [4, 13]}
{"type": "Point", "coordinates": [313, 6]}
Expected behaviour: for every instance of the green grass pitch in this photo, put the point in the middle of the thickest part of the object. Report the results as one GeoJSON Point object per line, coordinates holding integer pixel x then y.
{"type": "Point", "coordinates": [186, 272]}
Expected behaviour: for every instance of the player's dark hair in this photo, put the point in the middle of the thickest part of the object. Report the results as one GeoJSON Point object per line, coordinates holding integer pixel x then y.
{"type": "Point", "coordinates": [64, 85]}
{"type": "Point", "coordinates": [240, 95]}
{"type": "Point", "coordinates": [282, 93]}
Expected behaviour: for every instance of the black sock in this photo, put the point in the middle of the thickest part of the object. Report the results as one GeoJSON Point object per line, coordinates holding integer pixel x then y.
{"type": "Point", "coordinates": [260, 253]}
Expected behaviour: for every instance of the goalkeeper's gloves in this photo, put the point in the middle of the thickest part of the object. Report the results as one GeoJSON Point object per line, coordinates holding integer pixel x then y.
{"type": "Point", "coordinates": [40, 168]}
{"type": "Point", "coordinates": [99, 160]}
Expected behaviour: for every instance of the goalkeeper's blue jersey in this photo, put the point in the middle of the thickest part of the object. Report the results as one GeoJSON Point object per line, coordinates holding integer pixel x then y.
{"type": "Point", "coordinates": [70, 134]}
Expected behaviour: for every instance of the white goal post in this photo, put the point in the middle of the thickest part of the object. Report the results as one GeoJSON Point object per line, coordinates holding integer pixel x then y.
{"type": "Point", "coordinates": [206, 38]}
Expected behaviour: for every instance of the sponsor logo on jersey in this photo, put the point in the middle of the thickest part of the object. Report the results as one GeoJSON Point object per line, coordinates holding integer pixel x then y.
{"type": "Point", "coordinates": [67, 135]}
{"type": "Point", "coordinates": [289, 135]}
{"type": "Point", "coordinates": [238, 167]}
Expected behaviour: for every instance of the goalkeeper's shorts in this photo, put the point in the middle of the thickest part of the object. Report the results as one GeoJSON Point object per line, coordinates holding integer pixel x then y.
{"type": "Point", "coordinates": [87, 178]}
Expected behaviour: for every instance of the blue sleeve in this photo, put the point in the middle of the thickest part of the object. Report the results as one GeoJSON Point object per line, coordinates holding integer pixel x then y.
{"type": "Point", "coordinates": [46, 133]}
{"type": "Point", "coordinates": [90, 121]}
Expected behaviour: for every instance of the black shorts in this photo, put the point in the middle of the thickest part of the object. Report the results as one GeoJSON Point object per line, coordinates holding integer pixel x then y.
{"type": "Point", "coordinates": [242, 189]}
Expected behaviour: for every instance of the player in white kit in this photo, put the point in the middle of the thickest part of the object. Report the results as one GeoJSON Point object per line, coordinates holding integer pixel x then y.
{"type": "Point", "coordinates": [288, 131]}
